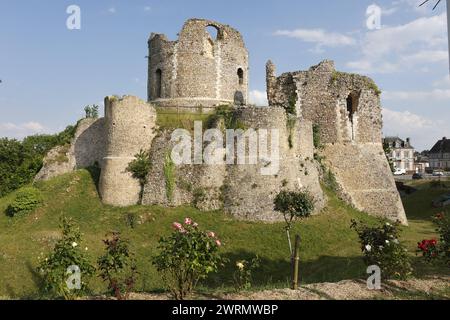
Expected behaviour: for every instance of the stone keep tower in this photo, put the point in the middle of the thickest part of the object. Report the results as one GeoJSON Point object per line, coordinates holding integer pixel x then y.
{"type": "Point", "coordinates": [201, 68]}
{"type": "Point", "coordinates": [130, 127]}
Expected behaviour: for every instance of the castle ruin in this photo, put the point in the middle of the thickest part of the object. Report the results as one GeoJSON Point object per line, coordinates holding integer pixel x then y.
{"type": "Point", "coordinates": [200, 69]}
{"type": "Point", "coordinates": [198, 73]}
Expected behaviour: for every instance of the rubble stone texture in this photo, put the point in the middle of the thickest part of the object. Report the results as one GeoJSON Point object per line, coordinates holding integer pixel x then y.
{"type": "Point", "coordinates": [347, 109]}
{"type": "Point", "coordinates": [200, 69]}
{"type": "Point", "coordinates": [199, 72]}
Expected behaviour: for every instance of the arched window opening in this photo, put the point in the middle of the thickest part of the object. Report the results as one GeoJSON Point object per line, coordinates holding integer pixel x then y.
{"type": "Point", "coordinates": [352, 105]}
{"type": "Point", "coordinates": [352, 108]}
{"type": "Point", "coordinates": [240, 74]}
{"type": "Point", "coordinates": [158, 83]}
{"type": "Point", "coordinates": [214, 33]}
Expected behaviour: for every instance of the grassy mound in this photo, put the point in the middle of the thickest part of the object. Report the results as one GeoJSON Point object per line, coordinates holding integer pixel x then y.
{"type": "Point", "coordinates": [329, 252]}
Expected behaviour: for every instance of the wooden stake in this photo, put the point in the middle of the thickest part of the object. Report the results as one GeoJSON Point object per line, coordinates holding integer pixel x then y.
{"type": "Point", "coordinates": [295, 263]}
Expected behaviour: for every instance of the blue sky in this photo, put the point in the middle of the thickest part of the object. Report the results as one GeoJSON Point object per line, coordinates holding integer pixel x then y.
{"type": "Point", "coordinates": [49, 73]}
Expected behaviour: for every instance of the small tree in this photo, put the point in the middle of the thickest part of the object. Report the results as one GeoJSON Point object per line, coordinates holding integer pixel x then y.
{"type": "Point", "coordinates": [91, 111]}
{"type": "Point", "coordinates": [118, 266]}
{"type": "Point", "coordinates": [66, 254]}
{"type": "Point", "coordinates": [294, 206]}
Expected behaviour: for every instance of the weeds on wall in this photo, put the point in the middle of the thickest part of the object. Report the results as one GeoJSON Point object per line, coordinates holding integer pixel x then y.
{"type": "Point", "coordinates": [169, 174]}
{"type": "Point", "coordinates": [226, 114]}
{"type": "Point", "coordinates": [139, 168]}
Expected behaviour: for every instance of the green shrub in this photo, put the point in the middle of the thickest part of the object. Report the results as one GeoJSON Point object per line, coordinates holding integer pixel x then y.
{"type": "Point", "coordinates": [242, 277]}
{"type": "Point", "coordinates": [187, 256]}
{"type": "Point", "coordinates": [442, 221]}
{"type": "Point", "coordinates": [434, 250]}
{"type": "Point", "coordinates": [118, 266]}
{"type": "Point", "coordinates": [26, 200]}
{"type": "Point", "coordinates": [55, 267]}
{"type": "Point", "coordinates": [140, 167]}
{"type": "Point", "coordinates": [381, 247]}
{"type": "Point", "coordinates": [316, 136]}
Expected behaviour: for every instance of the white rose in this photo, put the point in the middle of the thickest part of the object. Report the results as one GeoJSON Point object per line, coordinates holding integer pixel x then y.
{"type": "Point", "coordinates": [74, 244]}
{"type": "Point", "coordinates": [368, 247]}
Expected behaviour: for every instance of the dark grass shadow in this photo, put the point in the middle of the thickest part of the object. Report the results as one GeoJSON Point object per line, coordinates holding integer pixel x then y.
{"type": "Point", "coordinates": [276, 273]}
{"type": "Point", "coordinates": [95, 172]}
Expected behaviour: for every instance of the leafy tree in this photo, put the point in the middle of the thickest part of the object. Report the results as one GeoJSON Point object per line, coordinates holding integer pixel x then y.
{"type": "Point", "coordinates": [91, 111]}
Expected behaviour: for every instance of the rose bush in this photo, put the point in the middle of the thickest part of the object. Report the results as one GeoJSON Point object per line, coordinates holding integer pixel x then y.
{"type": "Point", "coordinates": [381, 247]}
{"type": "Point", "coordinates": [187, 256]}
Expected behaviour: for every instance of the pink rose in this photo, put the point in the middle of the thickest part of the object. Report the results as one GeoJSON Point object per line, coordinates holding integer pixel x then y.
{"type": "Point", "coordinates": [177, 226]}
{"type": "Point", "coordinates": [211, 234]}
{"type": "Point", "coordinates": [188, 221]}
{"type": "Point", "coordinates": [218, 243]}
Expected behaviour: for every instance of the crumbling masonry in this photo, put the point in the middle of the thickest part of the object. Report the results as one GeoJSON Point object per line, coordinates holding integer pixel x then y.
{"type": "Point", "coordinates": [199, 72]}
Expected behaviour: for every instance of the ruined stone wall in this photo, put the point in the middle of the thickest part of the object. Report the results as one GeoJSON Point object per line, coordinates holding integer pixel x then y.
{"type": "Point", "coordinates": [197, 70]}
{"type": "Point", "coordinates": [322, 94]}
{"type": "Point", "coordinates": [130, 128]}
{"type": "Point", "coordinates": [240, 190]}
{"type": "Point", "coordinates": [347, 109]}
{"type": "Point", "coordinates": [249, 194]}
{"type": "Point", "coordinates": [87, 148]}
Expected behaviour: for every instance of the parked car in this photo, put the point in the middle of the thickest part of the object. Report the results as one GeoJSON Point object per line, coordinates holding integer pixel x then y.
{"type": "Point", "coordinates": [442, 201]}
{"type": "Point", "coordinates": [417, 176]}
{"type": "Point", "coordinates": [438, 173]}
{"type": "Point", "coordinates": [399, 172]}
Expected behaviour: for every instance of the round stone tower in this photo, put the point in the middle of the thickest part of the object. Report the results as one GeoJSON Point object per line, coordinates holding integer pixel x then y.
{"type": "Point", "coordinates": [207, 66]}
{"type": "Point", "coordinates": [130, 128]}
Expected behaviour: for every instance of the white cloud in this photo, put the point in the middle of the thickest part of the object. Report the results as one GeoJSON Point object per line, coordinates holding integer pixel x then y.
{"type": "Point", "coordinates": [413, 45]}
{"type": "Point", "coordinates": [20, 131]}
{"type": "Point", "coordinates": [319, 37]}
{"type": "Point", "coordinates": [425, 96]}
{"type": "Point", "coordinates": [443, 82]}
{"type": "Point", "coordinates": [258, 98]}
{"type": "Point", "coordinates": [147, 8]}
{"type": "Point", "coordinates": [404, 122]}
{"type": "Point", "coordinates": [423, 131]}
{"type": "Point", "coordinates": [112, 10]}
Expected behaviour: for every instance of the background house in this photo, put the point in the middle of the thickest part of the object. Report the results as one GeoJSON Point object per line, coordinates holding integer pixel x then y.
{"type": "Point", "coordinates": [422, 162]}
{"type": "Point", "coordinates": [400, 153]}
{"type": "Point", "coordinates": [440, 155]}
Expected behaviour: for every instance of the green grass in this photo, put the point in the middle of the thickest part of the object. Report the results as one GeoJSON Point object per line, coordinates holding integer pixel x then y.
{"type": "Point", "coordinates": [172, 119]}
{"type": "Point", "coordinates": [329, 249]}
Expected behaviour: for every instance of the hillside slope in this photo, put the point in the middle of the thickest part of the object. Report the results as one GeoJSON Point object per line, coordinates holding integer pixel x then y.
{"type": "Point", "coordinates": [329, 252]}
